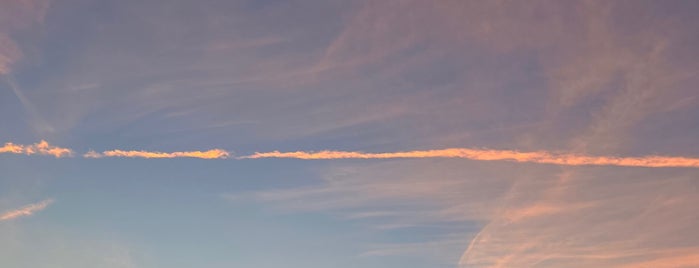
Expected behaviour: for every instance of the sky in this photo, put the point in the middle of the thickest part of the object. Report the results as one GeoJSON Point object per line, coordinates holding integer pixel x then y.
{"type": "Point", "coordinates": [328, 133]}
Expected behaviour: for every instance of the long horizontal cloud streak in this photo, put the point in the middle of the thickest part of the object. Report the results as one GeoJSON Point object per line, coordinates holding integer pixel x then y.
{"type": "Point", "coordinates": [40, 148]}
{"type": "Point", "coordinates": [540, 157]}
{"type": "Point", "coordinates": [210, 154]}
{"type": "Point", "coordinates": [26, 210]}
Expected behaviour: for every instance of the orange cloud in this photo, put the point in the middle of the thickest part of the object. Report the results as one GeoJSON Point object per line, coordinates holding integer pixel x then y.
{"type": "Point", "coordinates": [210, 154]}
{"type": "Point", "coordinates": [541, 157]}
{"type": "Point", "coordinates": [41, 148]}
{"type": "Point", "coordinates": [26, 210]}
{"type": "Point", "coordinates": [12, 148]}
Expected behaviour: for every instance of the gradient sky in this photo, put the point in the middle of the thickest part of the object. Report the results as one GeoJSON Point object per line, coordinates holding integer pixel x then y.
{"type": "Point", "coordinates": [328, 133]}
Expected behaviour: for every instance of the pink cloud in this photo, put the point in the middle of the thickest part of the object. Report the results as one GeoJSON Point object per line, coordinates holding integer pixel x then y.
{"type": "Point", "coordinates": [541, 157]}
{"type": "Point", "coordinates": [27, 210]}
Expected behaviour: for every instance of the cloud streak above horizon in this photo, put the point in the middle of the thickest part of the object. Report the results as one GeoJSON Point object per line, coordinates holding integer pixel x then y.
{"type": "Point", "coordinates": [27, 210]}
{"type": "Point", "coordinates": [537, 157]}
{"type": "Point", "coordinates": [540, 157]}
{"type": "Point", "coordinates": [40, 148]}
{"type": "Point", "coordinates": [210, 154]}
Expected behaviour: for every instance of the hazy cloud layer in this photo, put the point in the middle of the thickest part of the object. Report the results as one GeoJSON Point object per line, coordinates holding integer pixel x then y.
{"type": "Point", "coordinates": [592, 106]}
{"type": "Point", "coordinates": [17, 16]}
{"type": "Point", "coordinates": [610, 76]}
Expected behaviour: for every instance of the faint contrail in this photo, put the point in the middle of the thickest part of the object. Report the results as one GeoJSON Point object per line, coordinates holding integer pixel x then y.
{"type": "Point", "coordinates": [541, 157]}
{"type": "Point", "coordinates": [210, 154]}
{"type": "Point", "coordinates": [26, 210]}
{"type": "Point", "coordinates": [39, 122]}
{"type": "Point", "coordinates": [41, 148]}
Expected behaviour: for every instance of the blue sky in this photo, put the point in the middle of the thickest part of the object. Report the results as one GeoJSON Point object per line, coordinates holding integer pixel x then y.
{"type": "Point", "coordinates": [306, 133]}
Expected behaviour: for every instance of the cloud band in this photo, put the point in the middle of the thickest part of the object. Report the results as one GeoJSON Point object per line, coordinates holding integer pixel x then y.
{"type": "Point", "coordinates": [210, 154]}
{"type": "Point", "coordinates": [540, 157]}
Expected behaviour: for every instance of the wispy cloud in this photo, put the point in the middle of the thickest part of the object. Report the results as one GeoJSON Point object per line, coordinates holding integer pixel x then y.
{"type": "Point", "coordinates": [38, 121]}
{"type": "Point", "coordinates": [27, 210]}
{"type": "Point", "coordinates": [210, 154]}
{"type": "Point", "coordinates": [541, 157]}
{"type": "Point", "coordinates": [17, 16]}
{"type": "Point", "coordinates": [532, 215]}
{"type": "Point", "coordinates": [40, 148]}
{"type": "Point", "coordinates": [680, 259]}
{"type": "Point", "coordinates": [9, 53]}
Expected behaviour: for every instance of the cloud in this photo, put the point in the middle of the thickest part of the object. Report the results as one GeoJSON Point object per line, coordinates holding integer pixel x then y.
{"type": "Point", "coordinates": [17, 16]}
{"type": "Point", "coordinates": [210, 154]}
{"type": "Point", "coordinates": [40, 148]}
{"type": "Point", "coordinates": [19, 23]}
{"type": "Point", "coordinates": [515, 215]}
{"type": "Point", "coordinates": [686, 259]}
{"type": "Point", "coordinates": [26, 210]}
{"type": "Point", "coordinates": [610, 219]}
{"type": "Point", "coordinates": [539, 210]}
{"type": "Point", "coordinates": [38, 121]}
{"type": "Point", "coordinates": [594, 223]}
{"type": "Point", "coordinates": [540, 157]}
{"type": "Point", "coordinates": [9, 53]}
